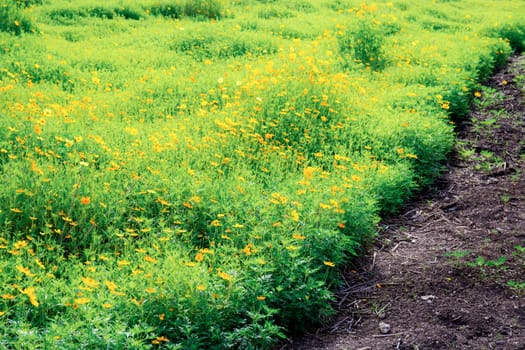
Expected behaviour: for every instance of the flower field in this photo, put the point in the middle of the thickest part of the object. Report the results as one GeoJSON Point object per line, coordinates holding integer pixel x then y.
{"type": "Point", "coordinates": [192, 174]}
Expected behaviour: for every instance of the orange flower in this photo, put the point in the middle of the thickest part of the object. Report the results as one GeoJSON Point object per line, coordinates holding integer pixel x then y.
{"type": "Point", "coordinates": [160, 340]}
{"type": "Point", "coordinates": [85, 200]}
{"type": "Point", "coordinates": [329, 263]}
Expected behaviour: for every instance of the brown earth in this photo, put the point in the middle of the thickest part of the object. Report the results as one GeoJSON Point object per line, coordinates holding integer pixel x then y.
{"type": "Point", "coordinates": [439, 274]}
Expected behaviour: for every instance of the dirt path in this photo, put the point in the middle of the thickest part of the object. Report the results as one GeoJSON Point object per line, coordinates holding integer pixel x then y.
{"type": "Point", "coordinates": [446, 274]}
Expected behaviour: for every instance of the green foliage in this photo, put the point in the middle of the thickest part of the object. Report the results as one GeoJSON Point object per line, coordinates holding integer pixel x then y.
{"type": "Point", "coordinates": [201, 45]}
{"type": "Point", "coordinates": [363, 45]}
{"type": "Point", "coordinates": [512, 32]}
{"type": "Point", "coordinates": [275, 12]}
{"type": "Point", "coordinates": [13, 19]}
{"type": "Point", "coordinates": [301, 6]}
{"type": "Point", "coordinates": [182, 184]}
{"type": "Point", "coordinates": [167, 9]}
{"type": "Point", "coordinates": [70, 15]}
{"type": "Point", "coordinates": [27, 3]}
{"type": "Point", "coordinates": [340, 5]}
{"type": "Point", "coordinates": [200, 9]}
{"type": "Point", "coordinates": [212, 9]}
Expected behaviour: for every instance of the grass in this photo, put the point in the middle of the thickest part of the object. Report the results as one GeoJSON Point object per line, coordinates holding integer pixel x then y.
{"type": "Point", "coordinates": [190, 175]}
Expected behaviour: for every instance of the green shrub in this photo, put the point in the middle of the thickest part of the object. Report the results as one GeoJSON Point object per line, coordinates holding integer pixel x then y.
{"type": "Point", "coordinates": [13, 20]}
{"type": "Point", "coordinates": [27, 3]}
{"type": "Point", "coordinates": [199, 9]}
{"type": "Point", "coordinates": [206, 45]}
{"type": "Point", "coordinates": [514, 33]}
{"type": "Point", "coordinates": [129, 12]}
{"type": "Point", "coordinates": [274, 12]}
{"type": "Point", "coordinates": [166, 9]}
{"type": "Point", "coordinates": [39, 73]}
{"type": "Point", "coordinates": [212, 9]}
{"type": "Point", "coordinates": [363, 45]}
{"type": "Point", "coordinates": [340, 5]}
{"type": "Point", "coordinates": [301, 6]}
{"type": "Point", "coordinates": [67, 15]}
{"type": "Point", "coordinates": [70, 16]}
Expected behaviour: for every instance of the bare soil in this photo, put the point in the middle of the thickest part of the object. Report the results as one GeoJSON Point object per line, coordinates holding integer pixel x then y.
{"type": "Point", "coordinates": [439, 273]}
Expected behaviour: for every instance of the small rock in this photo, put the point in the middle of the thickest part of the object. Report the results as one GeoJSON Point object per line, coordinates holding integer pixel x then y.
{"type": "Point", "coordinates": [428, 298]}
{"type": "Point", "coordinates": [384, 328]}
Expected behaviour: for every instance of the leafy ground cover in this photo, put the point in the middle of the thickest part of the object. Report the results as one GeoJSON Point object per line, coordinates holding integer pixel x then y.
{"type": "Point", "coordinates": [448, 273]}
{"type": "Point", "coordinates": [192, 175]}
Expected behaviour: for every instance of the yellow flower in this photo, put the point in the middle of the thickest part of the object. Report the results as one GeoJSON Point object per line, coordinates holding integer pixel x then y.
{"type": "Point", "coordinates": [216, 223]}
{"type": "Point", "coordinates": [30, 292]}
{"type": "Point", "coordinates": [123, 263]}
{"type": "Point", "coordinates": [24, 270]}
{"type": "Point", "coordinates": [151, 290]}
{"type": "Point", "coordinates": [89, 282]}
{"type": "Point", "coordinates": [80, 301]}
{"type": "Point", "coordinates": [298, 236]}
{"type": "Point", "coordinates": [261, 297]}
{"type": "Point", "coordinates": [225, 276]}
{"type": "Point", "coordinates": [277, 198]}
{"type": "Point", "coordinates": [20, 244]}
{"type": "Point", "coordinates": [329, 263]}
{"type": "Point", "coordinates": [150, 259]}
{"type": "Point", "coordinates": [39, 263]}
{"type": "Point", "coordinates": [196, 199]}
{"type": "Point", "coordinates": [248, 249]}
{"type": "Point", "coordinates": [201, 288]}
{"type": "Point", "coordinates": [112, 288]}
